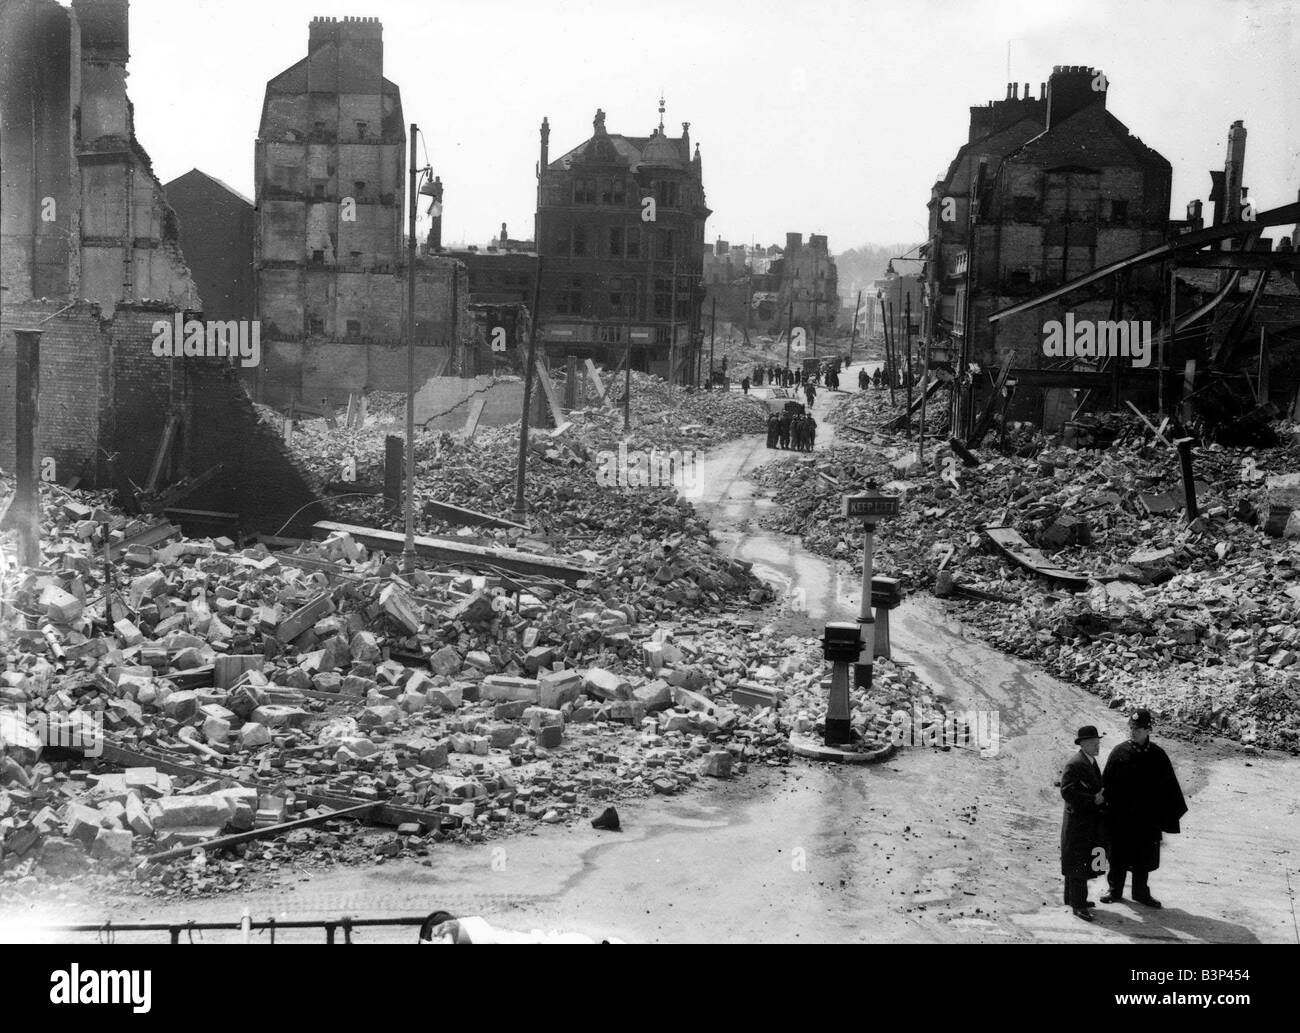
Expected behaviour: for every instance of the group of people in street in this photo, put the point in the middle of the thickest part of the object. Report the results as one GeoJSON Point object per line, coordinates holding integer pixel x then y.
{"type": "Point", "coordinates": [792, 430]}
{"type": "Point", "coordinates": [878, 378]}
{"type": "Point", "coordinates": [1115, 818]}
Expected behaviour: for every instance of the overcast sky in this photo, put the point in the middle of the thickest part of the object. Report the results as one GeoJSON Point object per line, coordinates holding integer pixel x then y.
{"type": "Point", "coordinates": [825, 116]}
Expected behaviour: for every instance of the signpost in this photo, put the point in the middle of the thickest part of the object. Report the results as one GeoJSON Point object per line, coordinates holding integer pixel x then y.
{"type": "Point", "coordinates": [870, 507]}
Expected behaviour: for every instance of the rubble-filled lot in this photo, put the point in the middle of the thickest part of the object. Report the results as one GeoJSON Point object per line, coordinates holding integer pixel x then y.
{"type": "Point", "coordinates": [239, 690]}
{"type": "Point", "coordinates": [1198, 622]}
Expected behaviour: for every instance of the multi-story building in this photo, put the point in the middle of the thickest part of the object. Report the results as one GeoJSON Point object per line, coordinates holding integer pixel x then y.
{"type": "Point", "coordinates": [1059, 186]}
{"type": "Point", "coordinates": [805, 274]}
{"type": "Point", "coordinates": [620, 229]}
{"type": "Point", "coordinates": [330, 251]}
{"type": "Point", "coordinates": [330, 182]}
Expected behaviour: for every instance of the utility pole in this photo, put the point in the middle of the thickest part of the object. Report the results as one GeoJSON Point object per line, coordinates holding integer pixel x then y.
{"type": "Point", "coordinates": [713, 335]}
{"type": "Point", "coordinates": [408, 547]}
{"type": "Point", "coordinates": [884, 326]}
{"type": "Point", "coordinates": [852, 340]}
{"type": "Point", "coordinates": [891, 345]}
{"type": "Point", "coordinates": [907, 337]}
{"type": "Point", "coordinates": [672, 330]}
{"type": "Point", "coordinates": [521, 507]}
{"type": "Point", "coordinates": [925, 386]}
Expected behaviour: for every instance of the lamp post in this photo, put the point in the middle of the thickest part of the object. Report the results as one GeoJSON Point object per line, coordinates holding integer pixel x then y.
{"type": "Point", "coordinates": [408, 509]}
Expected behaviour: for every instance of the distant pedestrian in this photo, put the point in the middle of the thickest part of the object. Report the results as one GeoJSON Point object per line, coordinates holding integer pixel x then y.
{"type": "Point", "coordinates": [783, 430]}
{"type": "Point", "coordinates": [1081, 824]}
{"type": "Point", "coordinates": [811, 431]}
{"type": "Point", "coordinates": [744, 384]}
{"type": "Point", "coordinates": [1143, 800]}
{"type": "Point", "coordinates": [810, 391]}
{"type": "Point", "coordinates": [773, 429]}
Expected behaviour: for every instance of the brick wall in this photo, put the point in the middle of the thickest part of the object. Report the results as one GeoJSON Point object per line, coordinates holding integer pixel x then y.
{"type": "Point", "coordinates": [73, 379]}
{"type": "Point", "coordinates": [103, 390]}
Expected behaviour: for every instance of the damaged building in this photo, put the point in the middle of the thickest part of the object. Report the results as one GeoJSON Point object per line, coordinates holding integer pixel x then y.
{"type": "Point", "coordinates": [90, 257]}
{"type": "Point", "coordinates": [1054, 216]}
{"type": "Point", "coordinates": [620, 228]}
{"type": "Point", "coordinates": [1044, 190]}
{"type": "Point", "coordinates": [806, 283]}
{"type": "Point", "coordinates": [330, 253]}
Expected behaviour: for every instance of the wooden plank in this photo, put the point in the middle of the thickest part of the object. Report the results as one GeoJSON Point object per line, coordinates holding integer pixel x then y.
{"type": "Point", "coordinates": [1151, 426]}
{"type": "Point", "coordinates": [451, 551]}
{"type": "Point", "coordinates": [544, 378]}
{"type": "Point", "coordinates": [150, 536]}
{"type": "Point", "coordinates": [469, 517]}
{"type": "Point", "coordinates": [160, 457]}
{"type": "Point", "coordinates": [1189, 389]}
{"type": "Point", "coordinates": [388, 813]}
{"type": "Point", "coordinates": [594, 374]}
{"type": "Point", "coordinates": [1013, 545]}
{"type": "Point", "coordinates": [471, 421]}
{"type": "Point", "coordinates": [985, 420]}
{"type": "Point", "coordinates": [266, 832]}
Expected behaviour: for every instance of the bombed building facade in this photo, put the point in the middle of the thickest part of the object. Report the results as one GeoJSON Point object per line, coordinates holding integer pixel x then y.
{"type": "Point", "coordinates": [330, 253]}
{"type": "Point", "coordinates": [620, 229]}
{"type": "Point", "coordinates": [91, 257]}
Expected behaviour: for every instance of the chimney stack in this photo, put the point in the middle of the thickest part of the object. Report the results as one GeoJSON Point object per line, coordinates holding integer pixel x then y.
{"type": "Point", "coordinates": [1069, 90]}
{"type": "Point", "coordinates": [546, 144]}
{"type": "Point", "coordinates": [1232, 170]}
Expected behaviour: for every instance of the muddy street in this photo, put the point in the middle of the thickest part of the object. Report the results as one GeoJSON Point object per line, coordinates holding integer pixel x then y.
{"type": "Point", "coordinates": [931, 845]}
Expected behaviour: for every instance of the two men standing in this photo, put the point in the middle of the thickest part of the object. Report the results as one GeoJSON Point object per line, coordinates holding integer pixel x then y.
{"type": "Point", "coordinates": [1121, 812]}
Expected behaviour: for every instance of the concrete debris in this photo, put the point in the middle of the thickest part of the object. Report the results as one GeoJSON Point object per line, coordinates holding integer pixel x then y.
{"type": "Point", "coordinates": [229, 688]}
{"type": "Point", "coordinates": [1197, 621]}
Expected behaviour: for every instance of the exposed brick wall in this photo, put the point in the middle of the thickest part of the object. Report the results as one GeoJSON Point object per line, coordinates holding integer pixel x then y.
{"type": "Point", "coordinates": [103, 390]}
{"type": "Point", "coordinates": [73, 382]}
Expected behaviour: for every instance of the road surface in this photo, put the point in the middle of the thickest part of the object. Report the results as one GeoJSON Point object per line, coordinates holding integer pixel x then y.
{"type": "Point", "coordinates": [930, 846]}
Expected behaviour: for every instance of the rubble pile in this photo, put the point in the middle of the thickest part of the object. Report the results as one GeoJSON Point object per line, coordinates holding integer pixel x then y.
{"type": "Point", "coordinates": [1198, 622]}
{"type": "Point", "coordinates": [241, 689]}
{"type": "Point", "coordinates": [648, 537]}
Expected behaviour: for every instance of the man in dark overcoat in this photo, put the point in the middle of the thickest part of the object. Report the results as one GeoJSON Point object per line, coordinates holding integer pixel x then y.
{"type": "Point", "coordinates": [1143, 801]}
{"type": "Point", "coordinates": [1081, 825]}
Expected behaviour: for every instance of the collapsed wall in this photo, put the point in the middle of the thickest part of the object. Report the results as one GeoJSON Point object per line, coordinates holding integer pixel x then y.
{"type": "Point", "coordinates": [105, 402]}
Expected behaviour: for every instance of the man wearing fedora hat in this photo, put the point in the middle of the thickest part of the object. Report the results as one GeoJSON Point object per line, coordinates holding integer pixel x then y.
{"type": "Point", "coordinates": [1081, 827]}
{"type": "Point", "coordinates": [1143, 800]}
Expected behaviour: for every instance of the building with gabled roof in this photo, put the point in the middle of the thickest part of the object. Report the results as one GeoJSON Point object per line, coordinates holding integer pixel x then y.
{"type": "Point", "coordinates": [216, 231]}
{"type": "Point", "coordinates": [1059, 186]}
{"type": "Point", "coordinates": [620, 230]}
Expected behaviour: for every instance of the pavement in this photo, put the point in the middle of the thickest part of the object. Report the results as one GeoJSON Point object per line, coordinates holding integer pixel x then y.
{"type": "Point", "coordinates": [929, 846]}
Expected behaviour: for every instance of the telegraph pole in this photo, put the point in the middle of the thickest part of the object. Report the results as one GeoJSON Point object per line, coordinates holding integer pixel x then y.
{"type": "Point", "coordinates": [853, 339]}
{"type": "Point", "coordinates": [521, 507]}
{"type": "Point", "coordinates": [907, 336]}
{"type": "Point", "coordinates": [713, 335]}
{"type": "Point", "coordinates": [889, 353]}
{"type": "Point", "coordinates": [408, 547]}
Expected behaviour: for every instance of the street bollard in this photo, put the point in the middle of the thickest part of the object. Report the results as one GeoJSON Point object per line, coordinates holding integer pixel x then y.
{"type": "Point", "coordinates": [841, 645]}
